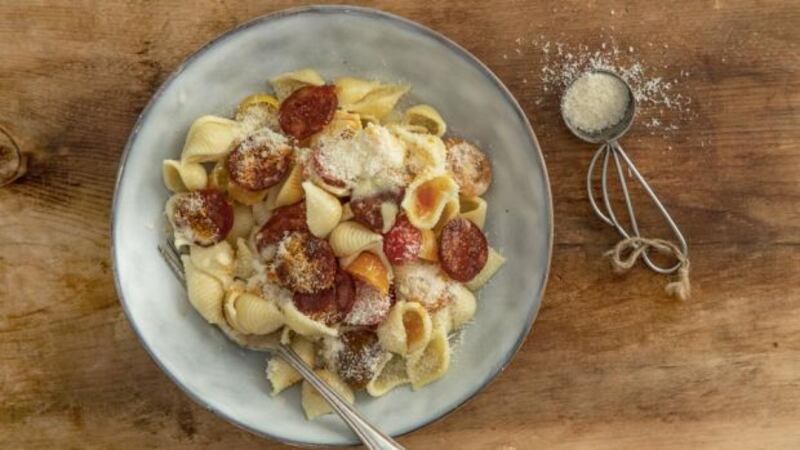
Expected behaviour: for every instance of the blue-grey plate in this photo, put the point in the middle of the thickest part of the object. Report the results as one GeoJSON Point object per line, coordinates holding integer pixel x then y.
{"type": "Point", "coordinates": [335, 41]}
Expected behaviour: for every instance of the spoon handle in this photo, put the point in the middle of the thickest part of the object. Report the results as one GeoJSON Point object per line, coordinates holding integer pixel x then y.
{"type": "Point", "coordinates": [368, 433]}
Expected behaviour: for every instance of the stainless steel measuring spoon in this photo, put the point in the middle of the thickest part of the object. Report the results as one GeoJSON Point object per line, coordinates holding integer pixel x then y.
{"type": "Point", "coordinates": [611, 149]}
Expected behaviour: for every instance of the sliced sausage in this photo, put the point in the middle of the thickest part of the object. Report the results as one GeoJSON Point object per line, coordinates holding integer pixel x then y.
{"type": "Point", "coordinates": [305, 263]}
{"type": "Point", "coordinates": [331, 305]}
{"type": "Point", "coordinates": [367, 210]}
{"type": "Point", "coordinates": [283, 221]}
{"type": "Point", "coordinates": [471, 168]}
{"type": "Point", "coordinates": [205, 216]}
{"type": "Point", "coordinates": [403, 242]}
{"type": "Point", "coordinates": [358, 358]}
{"type": "Point", "coordinates": [307, 111]}
{"type": "Point", "coordinates": [260, 161]}
{"type": "Point", "coordinates": [463, 249]}
{"type": "Point", "coordinates": [370, 306]}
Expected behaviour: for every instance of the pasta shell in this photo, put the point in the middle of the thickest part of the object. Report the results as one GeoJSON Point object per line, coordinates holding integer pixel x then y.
{"type": "Point", "coordinates": [390, 374]}
{"type": "Point", "coordinates": [429, 249]}
{"type": "Point", "coordinates": [205, 292]}
{"type": "Point", "coordinates": [474, 210]}
{"type": "Point", "coordinates": [426, 199]}
{"type": "Point", "coordinates": [243, 264]}
{"type": "Point", "coordinates": [314, 404]}
{"type": "Point", "coordinates": [379, 101]}
{"type": "Point", "coordinates": [216, 260]}
{"type": "Point", "coordinates": [218, 178]}
{"type": "Point", "coordinates": [462, 307]}
{"type": "Point", "coordinates": [302, 324]}
{"type": "Point", "coordinates": [406, 330]}
{"type": "Point", "coordinates": [244, 196]}
{"type": "Point", "coordinates": [251, 314]}
{"type": "Point", "coordinates": [260, 101]}
{"type": "Point", "coordinates": [280, 374]}
{"type": "Point", "coordinates": [493, 264]}
{"type": "Point", "coordinates": [286, 83]}
{"type": "Point", "coordinates": [426, 154]}
{"type": "Point", "coordinates": [432, 363]}
{"type": "Point", "coordinates": [323, 210]}
{"type": "Point", "coordinates": [350, 238]}
{"type": "Point", "coordinates": [450, 211]}
{"type": "Point", "coordinates": [426, 117]}
{"type": "Point", "coordinates": [181, 177]}
{"type": "Point", "coordinates": [243, 222]}
{"type": "Point", "coordinates": [350, 90]}
{"type": "Point", "coordinates": [209, 139]}
{"type": "Point", "coordinates": [347, 212]}
{"type": "Point", "coordinates": [344, 125]}
{"type": "Point", "coordinates": [370, 269]}
{"type": "Point", "coordinates": [291, 190]}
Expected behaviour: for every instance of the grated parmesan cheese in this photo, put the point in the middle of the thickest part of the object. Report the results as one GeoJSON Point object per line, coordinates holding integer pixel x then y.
{"type": "Point", "coordinates": [596, 101]}
{"type": "Point", "coordinates": [420, 282]}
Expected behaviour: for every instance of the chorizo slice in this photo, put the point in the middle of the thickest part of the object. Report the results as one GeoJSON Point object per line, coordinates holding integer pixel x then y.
{"type": "Point", "coordinates": [463, 250]}
{"type": "Point", "coordinates": [307, 111]}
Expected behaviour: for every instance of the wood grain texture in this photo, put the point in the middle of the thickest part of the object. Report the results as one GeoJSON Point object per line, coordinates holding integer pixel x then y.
{"type": "Point", "coordinates": [610, 363]}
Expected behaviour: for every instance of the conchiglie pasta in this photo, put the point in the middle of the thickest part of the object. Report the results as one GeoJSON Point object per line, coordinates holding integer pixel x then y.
{"type": "Point", "coordinates": [390, 374]}
{"type": "Point", "coordinates": [425, 154]}
{"type": "Point", "coordinates": [431, 363]}
{"type": "Point", "coordinates": [323, 210]}
{"type": "Point", "coordinates": [244, 266]}
{"type": "Point", "coordinates": [450, 212]}
{"type": "Point", "coordinates": [257, 111]}
{"type": "Point", "coordinates": [251, 314]}
{"type": "Point", "coordinates": [429, 247]}
{"type": "Point", "coordinates": [181, 177]}
{"type": "Point", "coordinates": [291, 190]}
{"type": "Point", "coordinates": [216, 260]}
{"type": "Point", "coordinates": [368, 98]}
{"type": "Point", "coordinates": [302, 324]}
{"type": "Point", "coordinates": [286, 83]}
{"type": "Point", "coordinates": [493, 264]}
{"type": "Point", "coordinates": [280, 374]}
{"type": "Point", "coordinates": [426, 117]}
{"type": "Point", "coordinates": [344, 125]}
{"type": "Point", "coordinates": [371, 267]}
{"type": "Point", "coordinates": [347, 212]}
{"type": "Point", "coordinates": [462, 307]}
{"type": "Point", "coordinates": [243, 222]}
{"type": "Point", "coordinates": [474, 210]}
{"type": "Point", "coordinates": [244, 196]}
{"type": "Point", "coordinates": [210, 138]}
{"type": "Point", "coordinates": [218, 178]}
{"type": "Point", "coordinates": [205, 292]}
{"type": "Point", "coordinates": [350, 238]}
{"type": "Point", "coordinates": [314, 404]}
{"type": "Point", "coordinates": [426, 199]}
{"type": "Point", "coordinates": [406, 330]}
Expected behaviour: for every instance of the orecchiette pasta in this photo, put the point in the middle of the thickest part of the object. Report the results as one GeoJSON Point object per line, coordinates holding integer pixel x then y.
{"type": "Point", "coordinates": [324, 218]}
{"type": "Point", "coordinates": [323, 210]}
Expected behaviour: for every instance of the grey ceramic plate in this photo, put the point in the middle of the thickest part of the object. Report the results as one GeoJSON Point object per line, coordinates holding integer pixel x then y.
{"type": "Point", "coordinates": [335, 41]}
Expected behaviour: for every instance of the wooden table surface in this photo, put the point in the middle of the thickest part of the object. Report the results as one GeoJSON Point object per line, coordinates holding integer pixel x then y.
{"type": "Point", "coordinates": [611, 362]}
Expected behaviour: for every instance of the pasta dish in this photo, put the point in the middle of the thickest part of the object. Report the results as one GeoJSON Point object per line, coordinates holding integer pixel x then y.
{"type": "Point", "coordinates": [354, 231]}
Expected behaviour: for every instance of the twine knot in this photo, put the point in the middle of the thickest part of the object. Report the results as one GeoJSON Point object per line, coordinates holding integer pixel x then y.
{"type": "Point", "coordinates": [627, 251]}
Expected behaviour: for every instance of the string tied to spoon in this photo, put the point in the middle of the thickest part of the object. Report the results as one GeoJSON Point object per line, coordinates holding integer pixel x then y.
{"type": "Point", "coordinates": [599, 107]}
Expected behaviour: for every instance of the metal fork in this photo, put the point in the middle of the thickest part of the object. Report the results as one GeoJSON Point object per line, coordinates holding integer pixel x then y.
{"type": "Point", "coordinates": [370, 436]}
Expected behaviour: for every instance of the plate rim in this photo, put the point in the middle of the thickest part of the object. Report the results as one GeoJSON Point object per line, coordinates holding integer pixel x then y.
{"type": "Point", "coordinates": [325, 10]}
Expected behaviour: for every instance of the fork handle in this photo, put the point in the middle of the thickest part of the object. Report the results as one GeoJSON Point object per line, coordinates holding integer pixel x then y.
{"type": "Point", "coordinates": [369, 435]}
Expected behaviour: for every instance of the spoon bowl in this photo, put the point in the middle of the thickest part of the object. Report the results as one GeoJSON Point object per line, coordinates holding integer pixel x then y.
{"type": "Point", "coordinates": [613, 132]}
